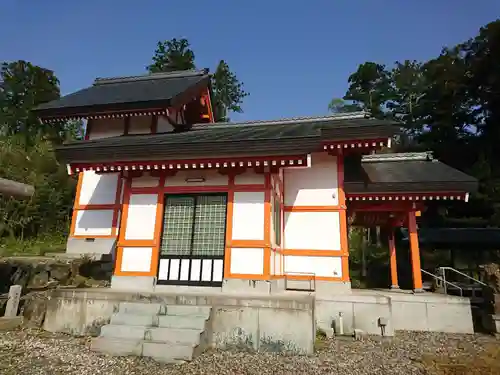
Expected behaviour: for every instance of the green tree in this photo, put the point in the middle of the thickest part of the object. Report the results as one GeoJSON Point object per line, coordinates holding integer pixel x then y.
{"type": "Point", "coordinates": [338, 105]}
{"type": "Point", "coordinates": [370, 88]}
{"type": "Point", "coordinates": [171, 55]}
{"type": "Point", "coordinates": [23, 86]}
{"type": "Point", "coordinates": [176, 54]}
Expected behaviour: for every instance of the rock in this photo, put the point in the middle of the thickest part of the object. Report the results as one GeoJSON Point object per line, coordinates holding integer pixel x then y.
{"type": "Point", "coordinates": [8, 324]}
{"type": "Point", "coordinates": [60, 273]}
{"type": "Point", "coordinates": [359, 335]}
{"type": "Point", "coordinates": [34, 310]}
{"type": "Point", "coordinates": [39, 279]}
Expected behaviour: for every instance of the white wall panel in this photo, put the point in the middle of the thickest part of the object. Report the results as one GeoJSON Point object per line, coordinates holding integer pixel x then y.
{"type": "Point", "coordinates": [312, 230]}
{"type": "Point", "coordinates": [105, 128]}
{"type": "Point", "coordinates": [141, 217]}
{"type": "Point", "coordinates": [211, 178]}
{"type": "Point", "coordinates": [319, 266]}
{"type": "Point", "coordinates": [145, 181]}
{"type": "Point", "coordinates": [94, 223]}
{"type": "Point", "coordinates": [247, 261]}
{"type": "Point", "coordinates": [248, 216]}
{"type": "Point", "coordinates": [249, 178]}
{"type": "Point", "coordinates": [272, 263]}
{"type": "Point", "coordinates": [315, 186]}
{"type": "Point", "coordinates": [98, 188]}
{"type": "Point", "coordinates": [140, 125]}
{"type": "Point", "coordinates": [136, 259]}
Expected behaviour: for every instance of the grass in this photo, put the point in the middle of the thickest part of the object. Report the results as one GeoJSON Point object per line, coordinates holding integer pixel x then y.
{"type": "Point", "coordinates": [51, 243]}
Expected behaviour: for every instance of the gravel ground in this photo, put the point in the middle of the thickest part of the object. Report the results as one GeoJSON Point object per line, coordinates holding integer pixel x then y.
{"type": "Point", "coordinates": [33, 352]}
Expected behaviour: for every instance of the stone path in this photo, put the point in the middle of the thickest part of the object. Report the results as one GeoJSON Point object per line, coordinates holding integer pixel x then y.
{"type": "Point", "coordinates": [33, 352]}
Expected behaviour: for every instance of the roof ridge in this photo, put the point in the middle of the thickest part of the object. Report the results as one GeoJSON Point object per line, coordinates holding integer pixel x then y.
{"type": "Point", "coordinates": [398, 156]}
{"type": "Point", "coordinates": [282, 121]}
{"type": "Point", "coordinates": [151, 76]}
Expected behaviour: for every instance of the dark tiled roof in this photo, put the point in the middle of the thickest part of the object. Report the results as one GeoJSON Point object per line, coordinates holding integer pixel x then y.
{"type": "Point", "coordinates": [139, 92]}
{"type": "Point", "coordinates": [283, 136]}
{"type": "Point", "coordinates": [404, 173]}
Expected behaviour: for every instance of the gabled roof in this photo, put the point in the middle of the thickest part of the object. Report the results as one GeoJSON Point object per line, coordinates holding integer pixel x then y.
{"type": "Point", "coordinates": [150, 91]}
{"type": "Point", "coordinates": [404, 172]}
{"type": "Point", "coordinates": [253, 137]}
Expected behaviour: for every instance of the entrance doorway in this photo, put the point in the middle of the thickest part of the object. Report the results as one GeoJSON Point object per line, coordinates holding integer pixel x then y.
{"type": "Point", "coordinates": [193, 240]}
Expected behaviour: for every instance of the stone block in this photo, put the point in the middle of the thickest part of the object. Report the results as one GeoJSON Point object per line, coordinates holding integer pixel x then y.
{"type": "Point", "coordinates": [174, 335]}
{"type": "Point", "coordinates": [167, 352]}
{"type": "Point", "coordinates": [123, 332]}
{"type": "Point", "coordinates": [182, 321]}
{"type": "Point", "coordinates": [116, 347]}
{"type": "Point", "coordinates": [202, 311]}
{"type": "Point", "coordinates": [13, 302]}
{"type": "Point", "coordinates": [134, 319]}
{"type": "Point", "coordinates": [139, 308]}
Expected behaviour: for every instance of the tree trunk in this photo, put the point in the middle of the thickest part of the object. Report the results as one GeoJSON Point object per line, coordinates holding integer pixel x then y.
{"type": "Point", "coordinates": [16, 189]}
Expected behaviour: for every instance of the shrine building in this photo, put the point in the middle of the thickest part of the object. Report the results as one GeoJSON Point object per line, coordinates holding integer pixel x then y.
{"type": "Point", "coordinates": [177, 199]}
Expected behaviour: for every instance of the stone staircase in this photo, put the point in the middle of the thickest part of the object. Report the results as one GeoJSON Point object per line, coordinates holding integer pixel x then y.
{"type": "Point", "coordinates": [169, 334]}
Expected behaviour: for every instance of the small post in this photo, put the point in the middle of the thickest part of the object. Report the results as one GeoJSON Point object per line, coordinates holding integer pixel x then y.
{"type": "Point", "coordinates": [13, 301]}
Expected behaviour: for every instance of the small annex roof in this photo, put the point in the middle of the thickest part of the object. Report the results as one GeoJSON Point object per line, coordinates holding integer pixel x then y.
{"type": "Point", "coordinates": [303, 135]}
{"type": "Point", "coordinates": [404, 172]}
{"type": "Point", "coordinates": [145, 92]}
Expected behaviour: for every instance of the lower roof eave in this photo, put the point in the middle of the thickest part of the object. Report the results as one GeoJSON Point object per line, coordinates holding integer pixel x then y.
{"type": "Point", "coordinates": [302, 160]}
{"type": "Point", "coordinates": [409, 196]}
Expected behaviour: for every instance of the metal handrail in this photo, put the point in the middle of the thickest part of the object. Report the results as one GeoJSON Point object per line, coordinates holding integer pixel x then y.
{"type": "Point", "coordinates": [461, 273]}
{"type": "Point", "coordinates": [445, 282]}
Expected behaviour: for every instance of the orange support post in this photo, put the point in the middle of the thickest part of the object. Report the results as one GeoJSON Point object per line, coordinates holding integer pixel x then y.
{"type": "Point", "coordinates": [414, 252]}
{"type": "Point", "coordinates": [393, 261]}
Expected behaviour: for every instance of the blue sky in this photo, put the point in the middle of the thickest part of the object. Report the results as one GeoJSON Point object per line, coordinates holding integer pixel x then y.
{"type": "Point", "coordinates": [293, 56]}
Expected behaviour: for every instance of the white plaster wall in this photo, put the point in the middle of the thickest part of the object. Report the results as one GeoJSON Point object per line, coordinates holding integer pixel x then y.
{"type": "Point", "coordinates": [212, 178]}
{"type": "Point", "coordinates": [140, 125]}
{"type": "Point", "coordinates": [312, 230]}
{"type": "Point", "coordinates": [249, 178]}
{"type": "Point", "coordinates": [319, 266]}
{"type": "Point", "coordinates": [247, 261]}
{"type": "Point", "coordinates": [248, 216]}
{"type": "Point", "coordinates": [272, 263]}
{"type": "Point", "coordinates": [145, 181]}
{"type": "Point", "coordinates": [315, 186]}
{"type": "Point", "coordinates": [98, 188]}
{"type": "Point", "coordinates": [136, 259]}
{"type": "Point", "coordinates": [141, 217]}
{"type": "Point", "coordinates": [94, 223]}
{"type": "Point", "coordinates": [105, 128]}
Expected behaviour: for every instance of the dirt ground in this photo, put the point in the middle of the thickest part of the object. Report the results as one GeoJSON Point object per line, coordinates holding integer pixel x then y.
{"type": "Point", "coordinates": [30, 352]}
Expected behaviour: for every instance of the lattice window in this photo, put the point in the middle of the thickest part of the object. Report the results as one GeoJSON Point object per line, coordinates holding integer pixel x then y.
{"type": "Point", "coordinates": [194, 225]}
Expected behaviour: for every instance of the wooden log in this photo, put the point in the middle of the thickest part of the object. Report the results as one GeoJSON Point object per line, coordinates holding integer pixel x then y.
{"type": "Point", "coordinates": [15, 189]}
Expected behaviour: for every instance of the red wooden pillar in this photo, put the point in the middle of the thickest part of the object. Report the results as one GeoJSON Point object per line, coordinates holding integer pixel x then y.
{"type": "Point", "coordinates": [393, 260]}
{"type": "Point", "coordinates": [414, 252]}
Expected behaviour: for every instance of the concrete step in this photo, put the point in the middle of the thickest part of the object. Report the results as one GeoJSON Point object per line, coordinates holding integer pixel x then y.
{"type": "Point", "coordinates": [189, 310]}
{"type": "Point", "coordinates": [182, 321]}
{"type": "Point", "coordinates": [167, 352]}
{"type": "Point", "coordinates": [123, 332]}
{"type": "Point", "coordinates": [116, 347]}
{"type": "Point", "coordinates": [174, 335]}
{"type": "Point", "coordinates": [128, 319]}
{"type": "Point", "coordinates": [138, 308]}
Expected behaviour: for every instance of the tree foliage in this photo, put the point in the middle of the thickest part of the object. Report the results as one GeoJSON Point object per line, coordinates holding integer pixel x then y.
{"type": "Point", "coordinates": [26, 154]}
{"type": "Point", "coordinates": [449, 105]}
{"type": "Point", "coordinates": [228, 91]}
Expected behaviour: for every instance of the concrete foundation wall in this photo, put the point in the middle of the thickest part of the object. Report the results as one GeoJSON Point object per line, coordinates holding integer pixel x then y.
{"type": "Point", "coordinates": [281, 324]}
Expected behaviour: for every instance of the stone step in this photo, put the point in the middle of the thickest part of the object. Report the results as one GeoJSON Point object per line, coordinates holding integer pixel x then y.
{"type": "Point", "coordinates": [123, 332]}
{"type": "Point", "coordinates": [138, 308]}
{"type": "Point", "coordinates": [167, 352]}
{"type": "Point", "coordinates": [182, 321]}
{"type": "Point", "coordinates": [127, 319]}
{"type": "Point", "coordinates": [116, 347]}
{"type": "Point", "coordinates": [189, 310]}
{"type": "Point", "coordinates": [177, 336]}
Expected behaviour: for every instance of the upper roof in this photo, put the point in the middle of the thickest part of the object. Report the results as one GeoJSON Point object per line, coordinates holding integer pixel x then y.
{"type": "Point", "coordinates": [404, 172]}
{"type": "Point", "coordinates": [252, 137]}
{"type": "Point", "coordinates": [150, 91]}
